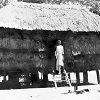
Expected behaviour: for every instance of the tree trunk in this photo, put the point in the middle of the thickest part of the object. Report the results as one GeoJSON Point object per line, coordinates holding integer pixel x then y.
{"type": "Point", "coordinates": [98, 79]}
{"type": "Point", "coordinates": [85, 77]}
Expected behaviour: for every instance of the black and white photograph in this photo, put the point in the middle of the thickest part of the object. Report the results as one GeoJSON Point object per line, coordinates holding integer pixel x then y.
{"type": "Point", "coordinates": [50, 49]}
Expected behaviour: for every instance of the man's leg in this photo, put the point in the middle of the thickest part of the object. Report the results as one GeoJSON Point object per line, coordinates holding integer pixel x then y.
{"type": "Point", "coordinates": [62, 73]}
{"type": "Point", "coordinates": [59, 69]}
{"type": "Point", "coordinates": [62, 69]}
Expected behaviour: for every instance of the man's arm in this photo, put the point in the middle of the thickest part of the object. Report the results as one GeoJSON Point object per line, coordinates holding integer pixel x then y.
{"type": "Point", "coordinates": [63, 52]}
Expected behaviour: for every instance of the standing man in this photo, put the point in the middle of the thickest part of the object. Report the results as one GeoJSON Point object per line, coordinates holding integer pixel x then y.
{"type": "Point", "coordinates": [59, 53]}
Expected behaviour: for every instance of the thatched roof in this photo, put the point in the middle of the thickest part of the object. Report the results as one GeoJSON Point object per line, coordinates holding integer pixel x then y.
{"type": "Point", "coordinates": [48, 17]}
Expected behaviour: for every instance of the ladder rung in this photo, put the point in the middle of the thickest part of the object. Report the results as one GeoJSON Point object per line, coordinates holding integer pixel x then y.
{"type": "Point", "coordinates": [59, 78]}
{"type": "Point", "coordinates": [59, 81]}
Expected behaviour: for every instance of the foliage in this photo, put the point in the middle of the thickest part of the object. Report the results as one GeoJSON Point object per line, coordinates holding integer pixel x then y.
{"type": "Point", "coordinates": [93, 4]}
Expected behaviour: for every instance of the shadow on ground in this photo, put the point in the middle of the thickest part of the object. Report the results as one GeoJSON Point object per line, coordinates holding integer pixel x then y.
{"type": "Point", "coordinates": [62, 84]}
{"type": "Point", "coordinates": [16, 85]}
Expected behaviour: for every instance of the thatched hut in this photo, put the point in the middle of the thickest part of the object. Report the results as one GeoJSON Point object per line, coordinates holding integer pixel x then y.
{"type": "Point", "coordinates": [27, 28]}
{"type": "Point", "coordinates": [26, 16]}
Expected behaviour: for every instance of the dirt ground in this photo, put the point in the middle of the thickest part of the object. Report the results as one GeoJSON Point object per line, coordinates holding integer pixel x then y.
{"type": "Point", "coordinates": [61, 93]}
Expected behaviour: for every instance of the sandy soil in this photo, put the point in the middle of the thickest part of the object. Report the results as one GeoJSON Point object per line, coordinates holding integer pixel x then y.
{"type": "Point", "coordinates": [61, 93]}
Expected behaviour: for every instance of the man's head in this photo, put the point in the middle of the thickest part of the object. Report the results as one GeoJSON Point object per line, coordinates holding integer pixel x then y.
{"type": "Point", "coordinates": [59, 42]}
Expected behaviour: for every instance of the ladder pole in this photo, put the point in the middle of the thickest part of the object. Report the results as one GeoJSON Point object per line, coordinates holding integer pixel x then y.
{"type": "Point", "coordinates": [68, 80]}
{"type": "Point", "coordinates": [55, 81]}
{"type": "Point", "coordinates": [69, 83]}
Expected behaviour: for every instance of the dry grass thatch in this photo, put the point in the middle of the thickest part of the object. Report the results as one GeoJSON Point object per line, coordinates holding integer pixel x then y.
{"type": "Point", "coordinates": [21, 54]}
{"type": "Point", "coordinates": [84, 44]}
{"type": "Point", "coordinates": [48, 17]}
{"type": "Point", "coordinates": [87, 49]}
{"type": "Point", "coordinates": [27, 61]}
{"type": "Point", "coordinates": [9, 43]}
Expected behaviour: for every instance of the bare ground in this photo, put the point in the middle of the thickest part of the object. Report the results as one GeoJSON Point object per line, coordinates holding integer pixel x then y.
{"type": "Point", "coordinates": [61, 93]}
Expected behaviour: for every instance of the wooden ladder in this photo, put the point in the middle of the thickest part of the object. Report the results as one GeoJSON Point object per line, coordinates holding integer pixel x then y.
{"type": "Point", "coordinates": [60, 78]}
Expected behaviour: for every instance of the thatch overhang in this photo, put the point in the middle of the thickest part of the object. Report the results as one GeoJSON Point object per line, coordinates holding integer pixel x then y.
{"type": "Point", "coordinates": [26, 16]}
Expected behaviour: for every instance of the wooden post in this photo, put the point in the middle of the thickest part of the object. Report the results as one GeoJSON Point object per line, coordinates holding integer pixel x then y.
{"type": "Point", "coordinates": [85, 77]}
{"type": "Point", "coordinates": [45, 79]}
{"type": "Point", "coordinates": [4, 85]}
{"type": "Point", "coordinates": [97, 72]}
{"type": "Point", "coordinates": [4, 78]}
{"type": "Point", "coordinates": [78, 77]}
{"type": "Point", "coordinates": [77, 81]}
{"type": "Point", "coordinates": [27, 79]}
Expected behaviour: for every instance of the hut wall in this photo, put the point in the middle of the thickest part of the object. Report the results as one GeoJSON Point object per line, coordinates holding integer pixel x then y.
{"type": "Point", "coordinates": [20, 53]}
{"type": "Point", "coordinates": [86, 46]}
{"type": "Point", "coordinates": [20, 50]}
